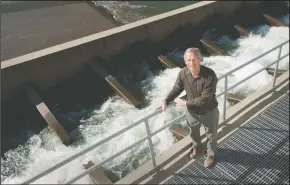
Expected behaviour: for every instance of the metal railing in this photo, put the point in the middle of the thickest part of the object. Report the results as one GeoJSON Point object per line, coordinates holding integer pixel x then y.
{"type": "Point", "coordinates": [146, 121]}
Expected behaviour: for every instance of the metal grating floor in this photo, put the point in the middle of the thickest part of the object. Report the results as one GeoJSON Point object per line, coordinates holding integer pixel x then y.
{"type": "Point", "coordinates": [258, 153]}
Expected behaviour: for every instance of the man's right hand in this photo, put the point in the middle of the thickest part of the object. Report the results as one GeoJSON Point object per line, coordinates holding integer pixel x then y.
{"type": "Point", "coordinates": [164, 105]}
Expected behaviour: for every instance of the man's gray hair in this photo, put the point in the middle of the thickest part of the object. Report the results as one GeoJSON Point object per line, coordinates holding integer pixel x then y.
{"type": "Point", "coordinates": [195, 51]}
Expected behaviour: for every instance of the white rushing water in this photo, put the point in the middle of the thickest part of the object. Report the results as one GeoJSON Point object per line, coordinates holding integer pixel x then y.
{"type": "Point", "coordinates": [44, 149]}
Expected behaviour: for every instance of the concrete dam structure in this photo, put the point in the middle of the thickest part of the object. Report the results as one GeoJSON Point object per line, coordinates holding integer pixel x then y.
{"type": "Point", "coordinates": [31, 26]}
{"type": "Point", "coordinates": [87, 69]}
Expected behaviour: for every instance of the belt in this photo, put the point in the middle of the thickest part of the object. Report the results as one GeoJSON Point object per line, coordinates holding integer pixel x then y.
{"type": "Point", "coordinates": [204, 112]}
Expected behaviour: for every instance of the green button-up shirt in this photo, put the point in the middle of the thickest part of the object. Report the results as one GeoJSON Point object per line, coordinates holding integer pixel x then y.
{"type": "Point", "coordinates": [200, 91]}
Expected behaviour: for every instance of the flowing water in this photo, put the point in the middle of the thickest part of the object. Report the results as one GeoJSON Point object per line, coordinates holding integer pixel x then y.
{"type": "Point", "coordinates": [44, 149]}
{"type": "Point", "coordinates": [127, 12]}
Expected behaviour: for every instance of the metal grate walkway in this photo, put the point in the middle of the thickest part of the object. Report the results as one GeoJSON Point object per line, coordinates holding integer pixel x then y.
{"type": "Point", "coordinates": [257, 153]}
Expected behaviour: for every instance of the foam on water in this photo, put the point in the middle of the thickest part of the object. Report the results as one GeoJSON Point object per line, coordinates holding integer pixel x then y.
{"type": "Point", "coordinates": [285, 19]}
{"type": "Point", "coordinates": [122, 11]}
{"type": "Point", "coordinates": [130, 11]}
{"type": "Point", "coordinates": [260, 29]}
{"type": "Point", "coordinates": [256, 44]}
{"type": "Point", "coordinates": [44, 149]}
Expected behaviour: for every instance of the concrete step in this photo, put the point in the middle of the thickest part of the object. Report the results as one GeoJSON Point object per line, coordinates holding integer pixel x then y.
{"type": "Point", "coordinates": [242, 31]}
{"type": "Point", "coordinates": [178, 132]}
{"type": "Point", "coordinates": [234, 98]}
{"type": "Point", "coordinates": [271, 71]}
{"type": "Point", "coordinates": [166, 62]}
{"type": "Point", "coordinates": [98, 176]}
{"type": "Point", "coordinates": [45, 112]}
{"type": "Point", "coordinates": [274, 22]}
{"type": "Point", "coordinates": [123, 92]}
{"type": "Point", "coordinates": [213, 50]}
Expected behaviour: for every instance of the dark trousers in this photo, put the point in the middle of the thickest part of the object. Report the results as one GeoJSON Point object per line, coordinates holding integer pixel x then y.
{"type": "Point", "coordinates": [209, 121]}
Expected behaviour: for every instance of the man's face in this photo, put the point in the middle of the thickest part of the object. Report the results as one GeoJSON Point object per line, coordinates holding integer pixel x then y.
{"type": "Point", "coordinates": [192, 61]}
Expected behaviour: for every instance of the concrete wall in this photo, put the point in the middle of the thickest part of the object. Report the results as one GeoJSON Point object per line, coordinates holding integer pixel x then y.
{"type": "Point", "coordinates": [16, 6]}
{"type": "Point", "coordinates": [53, 65]}
{"type": "Point", "coordinates": [32, 27]}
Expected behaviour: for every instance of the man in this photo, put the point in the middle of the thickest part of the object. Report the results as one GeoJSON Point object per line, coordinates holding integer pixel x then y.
{"type": "Point", "coordinates": [200, 83]}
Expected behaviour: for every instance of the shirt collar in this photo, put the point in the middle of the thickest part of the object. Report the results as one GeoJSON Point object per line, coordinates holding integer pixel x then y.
{"type": "Point", "coordinates": [187, 72]}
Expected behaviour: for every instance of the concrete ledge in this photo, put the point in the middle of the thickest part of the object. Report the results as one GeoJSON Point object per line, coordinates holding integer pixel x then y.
{"type": "Point", "coordinates": [47, 115]}
{"type": "Point", "coordinates": [98, 176]}
{"type": "Point", "coordinates": [115, 84]}
{"type": "Point", "coordinates": [178, 132]}
{"type": "Point", "coordinates": [236, 115]}
{"type": "Point", "coordinates": [17, 6]}
{"type": "Point", "coordinates": [166, 62]}
{"type": "Point", "coordinates": [212, 49]}
{"type": "Point", "coordinates": [97, 36]}
{"type": "Point", "coordinates": [242, 31]}
{"type": "Point", "coordinates": [271, 71]}
{"type": "Point", "coordinates": [275, 22]}
{"type": "Point", "coordinates": [234, 98]}
{"type": "Point", "coordinates": [34, 26]}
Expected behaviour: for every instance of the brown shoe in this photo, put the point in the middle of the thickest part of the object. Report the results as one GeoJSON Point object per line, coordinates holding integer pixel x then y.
{"type": "Point", "coordinates": [209, 161]}
{"type": "Point", "coordinates": [193, 153]}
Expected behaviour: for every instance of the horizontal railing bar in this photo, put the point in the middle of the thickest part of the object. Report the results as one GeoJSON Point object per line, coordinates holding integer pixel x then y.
{"type": "Point", "coordinates": [92, 168]}
{"type": "Point", "coordinates": [75, 156]}
{"type": "Point", "coordinates": [245, 79]}
{"type": "Point", "coordinates": [168, 124]}
{"type": "Point", "coordinates": [63, 162]}
{"type": "Point", "coordinates": [158, 111]}
{"type": "Point", "coordinates": [124, 150]}
{"type": "Point", "coordinates": [219, 78]}
{"type": "Point", "coordinates": [254, 59]}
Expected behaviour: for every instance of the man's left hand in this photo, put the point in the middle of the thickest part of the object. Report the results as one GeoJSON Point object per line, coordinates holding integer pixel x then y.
{"type": "Point", "coordinates": [180, 102]}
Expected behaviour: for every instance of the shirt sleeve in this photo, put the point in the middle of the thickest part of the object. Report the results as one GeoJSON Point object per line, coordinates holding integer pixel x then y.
{"type": "Point", "coordinates": [176, 90]}
{"type": "Point", "coordinates": [208, 92]}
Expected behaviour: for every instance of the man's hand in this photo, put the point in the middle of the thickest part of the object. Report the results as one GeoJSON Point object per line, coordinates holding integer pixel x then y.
{"type": "Point", "coordinates": [164, 106]}
{"type": "Point", "coordinates": [180, 102]}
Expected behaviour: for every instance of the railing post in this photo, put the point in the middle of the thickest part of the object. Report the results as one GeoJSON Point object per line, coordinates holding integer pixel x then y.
{"type": "Point", "coordinates": [277, 64]}
{"type": "Point", "coordinates": [150, 143]}
{"type": "Point", "coordinates": [225, 97]}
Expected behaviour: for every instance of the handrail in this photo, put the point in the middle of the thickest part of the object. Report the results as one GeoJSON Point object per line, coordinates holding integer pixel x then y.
{"type": "Point", "coordinates": [254, 59]}
{"type": "Point", "coordinates": [145, 120]}
{"type": "Point", "coordinates": [179, 118]}
{"type": "Point", "coordinates": [245, 79]}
